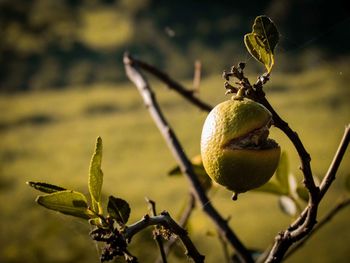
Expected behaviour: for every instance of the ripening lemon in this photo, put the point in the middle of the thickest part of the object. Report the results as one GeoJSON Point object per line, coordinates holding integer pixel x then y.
{"type": "Point", "coordinates": [235, 147]}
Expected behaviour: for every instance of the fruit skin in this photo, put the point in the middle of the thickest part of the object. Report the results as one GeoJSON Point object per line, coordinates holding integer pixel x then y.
{"type": "Point", "coordinates": [238, 169]}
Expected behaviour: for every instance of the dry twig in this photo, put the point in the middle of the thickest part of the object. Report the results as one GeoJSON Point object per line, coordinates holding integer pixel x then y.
{"type": "Point", "coordinates": [165, 220]}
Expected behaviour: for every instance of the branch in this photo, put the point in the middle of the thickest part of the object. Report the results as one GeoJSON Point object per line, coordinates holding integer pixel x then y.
{"type": "Point", "coordinates": [197, 76]}
{"type": "Point", "coordinates": [182, 222]}
{"type": "Point", "coordinates": [330, 176]}
{"type": "Point", "coordinates": [172, 84]}
{"type": "Point", "coordinates": [157, 235]}
{"type": "Point", "coordinates": [333, 168]}
{"type": "Point", "coordinates": [340, 206]}
{"type": "Point", "coordinates": [185, 165]}
{"type": "Point", "coordinates": [167, 222]}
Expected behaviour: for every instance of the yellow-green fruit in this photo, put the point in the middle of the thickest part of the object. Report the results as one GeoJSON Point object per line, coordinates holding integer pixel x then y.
{"type": "Point", "coordinates": [235, 147]}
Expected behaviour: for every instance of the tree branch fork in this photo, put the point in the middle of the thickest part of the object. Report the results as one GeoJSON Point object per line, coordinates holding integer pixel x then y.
{"type": "Point", "coordinates": [165, 220]}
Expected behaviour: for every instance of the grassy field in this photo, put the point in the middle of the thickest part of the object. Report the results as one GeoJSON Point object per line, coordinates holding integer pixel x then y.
{"type": "Point", "coordinates": [49, 136]}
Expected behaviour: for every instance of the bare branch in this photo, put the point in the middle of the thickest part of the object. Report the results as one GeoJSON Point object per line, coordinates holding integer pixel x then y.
{"type": "Point", "coordinates": [158, 237]}
{"type": "Point", "coordinates": [165, 220]}
{"type": "Point", "coordinates": [182, 222]}
{"type": "Point", "coordinates": [172, 84]}
{"type": "Point", "coordinates": [197, 76]}
{"type": "Point", "coordinates": [185, 165]}
{"type": "Point", "coordinates": [340, 206]}
{"type": "Point", "coordinates": [333, 168]}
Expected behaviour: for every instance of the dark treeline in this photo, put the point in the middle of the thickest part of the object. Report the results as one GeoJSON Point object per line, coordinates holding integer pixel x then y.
{"type": "Point", "coordinates": [53, 44]}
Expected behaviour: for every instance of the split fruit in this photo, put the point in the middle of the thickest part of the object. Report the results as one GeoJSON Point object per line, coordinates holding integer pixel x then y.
{"type": "Point", "coordinates": [235, 147]}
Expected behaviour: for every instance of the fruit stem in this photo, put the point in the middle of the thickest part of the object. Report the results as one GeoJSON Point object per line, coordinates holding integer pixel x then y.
{"type": "Point", "coordinates": [239, 95]}
{"type": "Point", "coordinates": [234, 196]}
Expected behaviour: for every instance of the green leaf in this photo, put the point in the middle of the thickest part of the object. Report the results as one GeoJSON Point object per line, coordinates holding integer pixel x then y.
{"type": "Point", "coordinates": [96, 176]}
{"type": "Point", "coordinates": [118, 209]}
{"type": "Point", "coordinates": [282, 173]}
{"type": "Point", "coordinates": [45, 187]}
{"type": "Point", "coordinates": [262, 41]}
{"type": "Point", "coordinates": [67, 202]}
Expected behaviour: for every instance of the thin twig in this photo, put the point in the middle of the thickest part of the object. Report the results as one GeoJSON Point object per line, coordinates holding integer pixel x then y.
{"type": "Point", "coordinates": [197, 76]}
{"type": "Point", "coordinates": [340, 206]}
{"type": "Point", "coordinates": [167, 222]}
{"type": "Point", "coordinates": [184, 163]}
{"type": "Point", "coordinates": [330, 176]}
{"type": "Point", "coordinates": [158, 237]}
{"type": "Point", "coordinates": [172, 84]}
{"type": "Point", "coordinates": [182, 222]}
{"type": "Point", "coordinates": [333, 168]}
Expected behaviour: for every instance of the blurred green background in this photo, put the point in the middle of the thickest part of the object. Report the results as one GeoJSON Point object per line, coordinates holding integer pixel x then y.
{"type": "Point", "coordinates": [62, 84]}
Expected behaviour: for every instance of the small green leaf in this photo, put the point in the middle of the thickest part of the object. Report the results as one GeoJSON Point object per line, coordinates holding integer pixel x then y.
{"type": "Point", "coordinates": [118, 209]}
{"type": "Point", "coordinates": [96, 176]}
{"type": "Point", "coordinates": [282, 173]}
{"type": "Point", "coordinates": [45, 187]}
{"type": "Point", "coordinates": [262, 41]}
{"type": "Point", "coordinates": [287, 205]}
{"type": "Point", "coordinates": [347, 182]}
{"type": "Point", "coordinates": [67, 202]}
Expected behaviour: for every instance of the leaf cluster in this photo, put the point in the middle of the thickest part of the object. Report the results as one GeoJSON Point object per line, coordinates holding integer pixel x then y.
{"type": "Point", "coordinates": [108, 228]}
